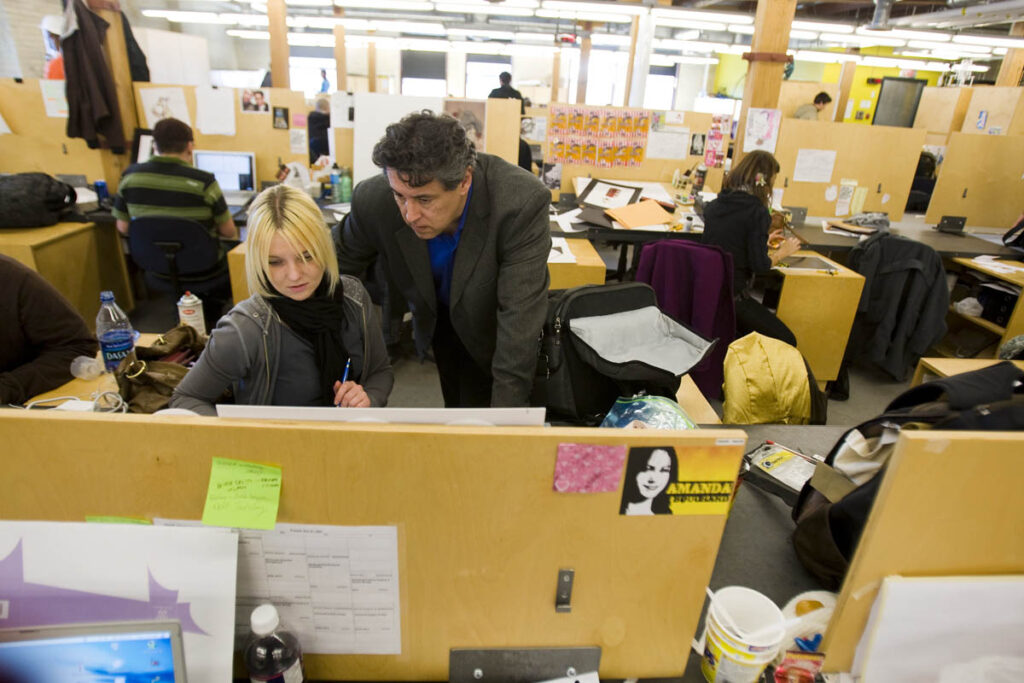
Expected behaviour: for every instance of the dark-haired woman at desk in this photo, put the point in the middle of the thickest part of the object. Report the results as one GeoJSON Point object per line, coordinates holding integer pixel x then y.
{"type": "Point", "coordinates": [739, 221]}
{"type": "Point", "coordinates": [306, 336]}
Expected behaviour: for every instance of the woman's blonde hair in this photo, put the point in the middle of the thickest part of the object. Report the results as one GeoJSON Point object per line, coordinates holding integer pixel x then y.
{"type": "Point", "coordinates": [290, 213]}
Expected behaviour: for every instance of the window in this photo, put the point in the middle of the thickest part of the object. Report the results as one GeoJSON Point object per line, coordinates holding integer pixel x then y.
{"type": "Point", "coordinates": [482, 74]}
{"type": "Point", "coordinates": [424, 73]}
{"type": "Point", "coordinates": [660, 89]}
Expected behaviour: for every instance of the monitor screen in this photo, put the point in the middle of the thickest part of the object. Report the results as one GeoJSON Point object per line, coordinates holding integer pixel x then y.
{"type": "Point", "coordinates": [122, 652]}
{"type": "Point", "coordinates": [233, 170]}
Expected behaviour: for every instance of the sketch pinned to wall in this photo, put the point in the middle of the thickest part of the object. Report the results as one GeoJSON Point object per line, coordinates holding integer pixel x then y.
{"type": "Point", "coordinates": [164, 103]}
{"type": "Point", "coordinates": [762, 130]}
{"type": "Point", "coordinates": [471, 114]}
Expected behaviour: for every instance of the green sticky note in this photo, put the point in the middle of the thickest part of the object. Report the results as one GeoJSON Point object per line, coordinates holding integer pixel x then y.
{"type": "Point", "coordinates": [242, 494]}
{"type": "Point", "coordinates": [111, 519]}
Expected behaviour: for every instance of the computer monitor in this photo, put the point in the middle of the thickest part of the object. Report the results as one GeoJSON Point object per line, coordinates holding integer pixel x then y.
{"type": "Point", "coordinates": [74, 653]}
{"type": "Point", "coordinates": [233, 170]}
{"type": "Point", "coordinates": [143, 146]}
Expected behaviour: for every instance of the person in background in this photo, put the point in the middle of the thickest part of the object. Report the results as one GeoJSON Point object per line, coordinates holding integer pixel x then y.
{"type": "Point", "coordinates": [465, 238]}
{"type": "Point", "coordinates": [168, 185]}
{"type": "Point", "coordinates": [40, 334]}
{"type": "Point", "coordinates": [325, 85]}
{"type": "Point", "coordinates": [307, 336]}
{"type": "Point", "coordinates": [319, 122]}
{"type": "Point", "coordinates": [739, 221]}
{"type": "Point", "coordinates": [507, 92]}
{"type": "Point", "coordinates": [811, 110]}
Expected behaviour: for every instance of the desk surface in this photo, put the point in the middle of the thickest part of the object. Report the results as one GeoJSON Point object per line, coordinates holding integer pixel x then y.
{"type": "Point", "coordinates": [933, 368]}
{"type": "Point", "coordinates": [34, 237]}
{"type": "Point", "coordinates": [945, 244]}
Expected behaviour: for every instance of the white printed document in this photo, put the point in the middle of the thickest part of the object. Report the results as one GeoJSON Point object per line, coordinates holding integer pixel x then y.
{"type": "Point", "coordinates": [335, 587]}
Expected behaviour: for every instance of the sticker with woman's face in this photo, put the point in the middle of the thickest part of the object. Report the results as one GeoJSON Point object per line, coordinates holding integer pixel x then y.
{"type": "Point", "coordinates": [648, 474]}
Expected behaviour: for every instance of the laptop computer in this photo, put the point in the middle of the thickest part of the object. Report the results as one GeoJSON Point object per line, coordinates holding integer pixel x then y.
{"type": "Point", "coordinates": [235, 173]}
{"type": "Point", "coordinates": [114, 651]}
{"type": "Point", "coordinates": [953, 225]}
{"type": "Point", "coordinates": [797, 214]}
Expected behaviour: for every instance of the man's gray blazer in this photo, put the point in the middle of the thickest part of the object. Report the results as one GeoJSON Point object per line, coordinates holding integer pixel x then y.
{"type": "Point", "coordinates": [500, 277]}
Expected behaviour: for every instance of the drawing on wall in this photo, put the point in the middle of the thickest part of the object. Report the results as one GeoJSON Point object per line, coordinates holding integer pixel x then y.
{"type": "Point", "coordinates": [164, 103]}
{"type": "Point", "coordinates": [471, 115]}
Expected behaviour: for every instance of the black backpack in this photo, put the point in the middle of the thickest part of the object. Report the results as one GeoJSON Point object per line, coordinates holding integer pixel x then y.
{"type": "Point", "coordinates": [832, 509]}
{"type": "Point", "coordinates": [574, 381]}
{"type": "Point", "coordinates": [33, 200]}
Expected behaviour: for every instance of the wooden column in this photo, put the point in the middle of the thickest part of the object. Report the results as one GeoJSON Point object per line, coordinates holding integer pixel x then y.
{"type": "Point", "coordinates": [278, 27]}
{"type": "Point", "coordinates": [339, 58]}
{"type": "Point", "coordinates": [371, 62]}
{"type": "Point", "coordinates": [1012, 70]}
{"type": "Point", "coordinates": [556, 63]}
{"type": "Point", "coordinates": [117, 61]}
{"type": "Point", "coordinates": [764, 77]}
{"type": "Point", "coordinates": [845, 85]}
{"type": "Point", "coordinates": [634, 31]}
{"type": "Point", "coordinates": [581, 82]}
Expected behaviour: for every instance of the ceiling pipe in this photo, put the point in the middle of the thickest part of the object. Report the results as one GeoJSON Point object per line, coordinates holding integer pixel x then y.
{"type": "Point", "coordinates": [880, 20]}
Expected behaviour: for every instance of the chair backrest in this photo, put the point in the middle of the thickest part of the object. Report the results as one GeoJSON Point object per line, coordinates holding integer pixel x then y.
{"type": "Point", "coordinates": [152, 238]}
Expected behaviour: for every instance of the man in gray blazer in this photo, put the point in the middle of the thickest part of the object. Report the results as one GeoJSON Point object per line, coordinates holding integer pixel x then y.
{"type": "Point", "coordinates": [465, 237]}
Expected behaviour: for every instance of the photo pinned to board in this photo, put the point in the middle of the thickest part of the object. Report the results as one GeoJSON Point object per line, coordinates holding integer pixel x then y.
{"type": "Point", "coordinates": [657, 483]}
{"type": "Point", "coordinates": [254, 101]}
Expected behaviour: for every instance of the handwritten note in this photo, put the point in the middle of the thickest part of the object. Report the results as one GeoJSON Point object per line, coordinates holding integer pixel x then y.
{"type": "Point", "coordinates": [242, 494]}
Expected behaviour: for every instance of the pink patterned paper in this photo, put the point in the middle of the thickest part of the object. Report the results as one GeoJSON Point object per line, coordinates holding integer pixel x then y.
{"type": "Point", "coordinates": [588, 468]}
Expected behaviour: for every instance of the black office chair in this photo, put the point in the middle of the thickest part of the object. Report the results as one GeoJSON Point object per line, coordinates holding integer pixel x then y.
{"type": "Point", "coordinates": [178, 254]}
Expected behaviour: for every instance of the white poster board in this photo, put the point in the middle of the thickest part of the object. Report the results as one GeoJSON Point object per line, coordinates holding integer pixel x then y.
{"type": "Point", "coordinates": [374, 113]}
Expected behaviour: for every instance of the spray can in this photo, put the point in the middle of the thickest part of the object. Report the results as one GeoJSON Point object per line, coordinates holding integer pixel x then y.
{"type": "Point", "coordinates": [190, 312]}
{"type": "Point", "coordinates": [698, 178]}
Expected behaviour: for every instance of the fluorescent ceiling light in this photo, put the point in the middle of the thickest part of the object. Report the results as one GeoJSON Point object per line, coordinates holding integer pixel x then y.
{"type": "Point", "coordinates": [999, 51]}
{"type": "Point", "coordinates": [965, 49]}
{"type": "Point", "coordinates": [309, 3]}
{"type": "Point", "coordinates": [934, 36]}
{"type": "Point", "coordinates": [421, 28]}
{"type": "Point", "coordinates": [660, 13]}
{"type": "Point", "coordinates": [543, 38]}
{"type": "Point", "coordinates": [320, 22]}
{"type": "Point", "coordinates": [479, 33]}
{"type": "Point", "coordinates": [824, 57]}
{"type": "Point", "coordinates": [466, 8]}
{"type": "Point", "coordinates": [741, 28]}
{"type": "Point", "coordinates": [803, 35]}
{"type": "Point", "coordinates": [424, 44]}
{"type": "Point", "coordinates": [184, 17]}
{"type": "Point", "coordinates": [247, 34]}
{"type": "Point", "coordinates": [399, 5]}
{"type": "Point", "coordinates": [690, 23]}
{"type": "Point", "coordinates": [595, 7]}
{"type": "Point", "coordinates": [610, 39]}
{"type": "Point", "coordinates": [672, 60]}
{"type": "Point", "coordinates": [906, 64]}
{"type": "Point", "coordinates": [991, 41]}
{"type": "Point", "coordinates": [822, 26]}
{"type": "Point", "coordinates": [686, 35]}
{"type": "Point", "coordinates": [606, 18]}
{"type": "Point", "coordinates": [863, 41]}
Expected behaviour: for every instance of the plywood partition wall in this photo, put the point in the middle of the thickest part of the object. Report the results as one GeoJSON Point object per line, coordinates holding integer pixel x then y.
{"type": "Point", "coordinates": [881, 159]}
{"type": "Point", "coordinates": [795, 94]}
{"type": "Point", "coordinates": [982, 178]}
{"type": "Point", "coordinates": [39, 142]}
{"type": "Point", "coordinates": [995, 111]}
{"type": "Point", "coordinates": [929, 519]}
{"type": "Point", "coordinates": [254, 131]}
{"type": "Point", "coordinates": [501, 129]}
{"type": "Point", "coordinates": [481, 531]}
{"type": "Point", "coordinates": [941, 111]}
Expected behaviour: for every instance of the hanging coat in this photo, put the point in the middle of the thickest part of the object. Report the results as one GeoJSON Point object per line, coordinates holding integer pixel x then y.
{"type": "Point", "coordinates": [92, 98]}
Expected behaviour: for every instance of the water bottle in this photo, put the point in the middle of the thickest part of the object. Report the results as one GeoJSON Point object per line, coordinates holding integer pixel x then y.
{"type": "Point", "coordinates": [272, 654]}
{"type": "Point", "coordinates": [346, 185]}
{"type": "Point", "coordinates": [335, 183]}
{"type": "Point", "coordinates": [114, 331]}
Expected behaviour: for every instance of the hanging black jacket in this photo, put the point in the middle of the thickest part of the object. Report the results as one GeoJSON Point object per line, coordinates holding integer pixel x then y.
{"type": "Point", "coordinates": [92, 98]}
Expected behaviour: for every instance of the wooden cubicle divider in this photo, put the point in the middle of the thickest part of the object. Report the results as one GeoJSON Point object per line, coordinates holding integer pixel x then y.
{"type": "Point", "coordinates": [501, 129]}
{"type": "Point", "coordinates": [481, 531]}
{"type": "Point", "coordinates": [881, 158]}
{"type": "Point", "coordinates": [254, 131]}
{"type": "Point", "coordinates": [941, 111]}
{"type": "Point", "coordinates": [949, 506]}
{"type": "Point", "coordinates": [982, 178]}
{"type": "Point", "coordinates": [995, 110]}
{"type": "Point", "coordinates": [39, 142]}
{"type": "Point", "coordinates": [795, 94]}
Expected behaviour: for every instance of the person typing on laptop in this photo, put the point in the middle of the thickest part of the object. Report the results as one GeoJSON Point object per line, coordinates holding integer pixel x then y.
{"type": "Point", "coordinates": [169, 185]}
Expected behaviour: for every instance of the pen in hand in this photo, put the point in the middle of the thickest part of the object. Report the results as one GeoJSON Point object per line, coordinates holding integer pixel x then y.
{"type": "Point", "coordinates": [344, 376]}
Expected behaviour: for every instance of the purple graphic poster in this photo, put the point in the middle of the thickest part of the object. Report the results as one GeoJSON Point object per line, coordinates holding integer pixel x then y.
{"type": "Point", "coordinates": [60, 573]}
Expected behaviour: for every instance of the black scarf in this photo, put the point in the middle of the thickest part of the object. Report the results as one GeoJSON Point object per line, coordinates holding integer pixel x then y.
{"type": "Point", "coordinates": [319, 320]}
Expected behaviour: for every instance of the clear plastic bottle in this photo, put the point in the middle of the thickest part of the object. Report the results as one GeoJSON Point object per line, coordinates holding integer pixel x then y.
{"type": "Point", "coordinates": [346, 185]}
{"type": "Point", "coordinates": [335, 183]}
{"type": "Point", "coordinates": [272, 654]}
{"type": "Point", "coordinates": [114, 332]}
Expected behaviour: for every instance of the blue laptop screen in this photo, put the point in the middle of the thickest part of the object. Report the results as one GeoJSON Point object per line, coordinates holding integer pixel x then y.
{"type": "Point", "coordinates": [141, 657]}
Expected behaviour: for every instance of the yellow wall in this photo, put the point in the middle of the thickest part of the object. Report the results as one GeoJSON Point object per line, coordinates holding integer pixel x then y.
{"type": "Point", "coordinates": [730, 76]}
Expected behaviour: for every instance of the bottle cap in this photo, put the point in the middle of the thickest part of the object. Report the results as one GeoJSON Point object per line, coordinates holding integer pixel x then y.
{"type": "Point", "coordinates": [106, 295]}
{"type": "Point", "coordinates": [264, 620]}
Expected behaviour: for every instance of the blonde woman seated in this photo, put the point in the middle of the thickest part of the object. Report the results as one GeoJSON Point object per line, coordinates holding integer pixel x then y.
{"type": "Point", "coordinates": [307, 336]}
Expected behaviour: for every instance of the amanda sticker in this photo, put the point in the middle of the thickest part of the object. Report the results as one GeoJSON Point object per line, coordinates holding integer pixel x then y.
{"type": "Point", "coordinates": [656, 483]}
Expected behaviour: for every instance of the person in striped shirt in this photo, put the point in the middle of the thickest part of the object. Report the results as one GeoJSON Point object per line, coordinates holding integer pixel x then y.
{"type": "Point", "coordinates": [168, 185]}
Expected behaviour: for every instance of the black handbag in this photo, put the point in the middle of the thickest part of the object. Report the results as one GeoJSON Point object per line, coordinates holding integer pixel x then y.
{"type": "Point", "coordinates": [34, 200]}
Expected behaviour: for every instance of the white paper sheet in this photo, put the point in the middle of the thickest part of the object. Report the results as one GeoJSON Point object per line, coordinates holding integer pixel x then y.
{"type": "Point", "coordinates": [163, 103]}
{"type": "Point", "coordinates": [560, 251]}
{"type": "Point", "coordinates": [762, 130]}
{"type": "Point", "coordinates": [497, 417]}
{"type": "Point", "coordinates": [675, 118]}
{"type": "Point", "coordinates": [120, 572]}
{"type": "Point", "coordinates": [335, 587]}
{"type": "Point", "coordinates": [814, 165]}
{"type": "Point", "coordinates": [921, 628]}
{"type": "Point", "coordinates": [569, 222]}
{"type": "Point", "coordinates": [648, 190]}
{"type": "Point", "coordinates": [341, 105]}
{"type": "Point", "coordinates": [298, 143]}
{"type": "Point", "coordinates": [668, 143]}
{"type": "Point", "coordinates": [54, 100]}
{"type": "Point", "coordinates": [376, 112]}
{"type": "Point", "coordinates": [4, 128]}
{"type": "Point", "coordinates": [215, 110]}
